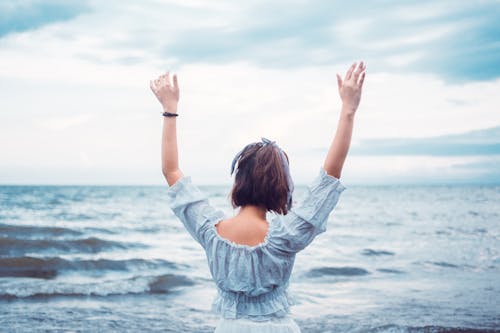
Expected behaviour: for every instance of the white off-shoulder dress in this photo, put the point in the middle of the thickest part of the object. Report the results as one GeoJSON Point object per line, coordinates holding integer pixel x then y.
{"type": "Point", "coordinates": [252, 281]}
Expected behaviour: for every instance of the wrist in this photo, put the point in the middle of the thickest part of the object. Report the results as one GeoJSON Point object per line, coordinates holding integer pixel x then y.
{"type": "Point", "coordinates": [169, 118]}
{"type": "Point", "coordinates": [170, 108]}
{"type": "Point", "coordinates": [348, 110]}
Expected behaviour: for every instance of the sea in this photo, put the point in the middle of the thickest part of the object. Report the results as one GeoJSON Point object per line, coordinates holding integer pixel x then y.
{"type": "Point", "coordinates": [398, 258]}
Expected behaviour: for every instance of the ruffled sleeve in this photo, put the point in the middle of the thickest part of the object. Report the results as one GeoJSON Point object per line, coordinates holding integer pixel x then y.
{"type": "Point", "coordinates": [191, 206]}
{"type": "Point", "coordinates": [309, 218]}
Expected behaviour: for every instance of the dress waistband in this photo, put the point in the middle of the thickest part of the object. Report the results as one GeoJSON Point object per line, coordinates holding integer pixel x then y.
{"type": "Point", "coordinates": [232, 305]}
{"type": "Point", "coordinates": [244, 297]}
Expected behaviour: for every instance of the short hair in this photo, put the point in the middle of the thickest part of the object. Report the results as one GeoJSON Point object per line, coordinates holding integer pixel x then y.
{"type": "Point", "coordinates": [261, 179]}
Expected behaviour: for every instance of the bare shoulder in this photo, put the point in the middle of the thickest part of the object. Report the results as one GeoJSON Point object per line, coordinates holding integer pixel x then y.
{"type": "Point", "coordinates": [239, 231]}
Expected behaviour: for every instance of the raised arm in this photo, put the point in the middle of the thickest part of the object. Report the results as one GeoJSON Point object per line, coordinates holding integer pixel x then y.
{"type": "Point", "coordinates": [168, 95]}
{"type": "Point", "coordinates": [350, 92]}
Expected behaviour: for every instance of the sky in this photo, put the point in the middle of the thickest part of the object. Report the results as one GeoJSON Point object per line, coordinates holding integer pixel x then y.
{"type": "Point", "coordinates": [76, 107]}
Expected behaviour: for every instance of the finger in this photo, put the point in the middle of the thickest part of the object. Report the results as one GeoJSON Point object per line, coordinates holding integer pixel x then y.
{"type": "Point", "coordinates": [339, 81]}
{"type": "Point", "coordinates": [358, 71]}
{"type": "Point", "coordinates": [153, 87]}
{"type": "Point", "coordinates": [176, 83]}
{"type": "Point", "coordinates": [349, 72]}
{"type": "Point", "coordinates": [160, 81]}
{"type": "Point", "coordinates": [362, 79]}
{"type": "Point", "coordinates": [167, 78]}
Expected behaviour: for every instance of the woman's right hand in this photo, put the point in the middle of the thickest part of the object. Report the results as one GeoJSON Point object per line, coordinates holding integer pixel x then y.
{"type": "Point", "coordinates": [350, 88]}
{"type": "Point", "coordinates": [167, 94]}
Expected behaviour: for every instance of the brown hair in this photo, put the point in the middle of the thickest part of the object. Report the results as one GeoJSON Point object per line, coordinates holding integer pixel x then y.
{"type": "Point", "coordinates": [261, 179]}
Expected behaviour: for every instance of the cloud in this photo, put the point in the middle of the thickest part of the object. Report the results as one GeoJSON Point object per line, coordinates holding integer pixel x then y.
{"type": "Point", "coordinates": [483, 170]}
{"type": "Point", "coordinates": [64, 122]}
{"type": "Point", "coordinates": [108, 113]}
{"type": "Point", "coordinates": [456, 41]}
{"type": "Point", "coordinates": [396, 169]}
{"type": "Point", "coordinates": [75, 92]}
{"type": "Point", "coordinates": [478, 142]}
{"type": "Point", "coordinates": [19, 16]}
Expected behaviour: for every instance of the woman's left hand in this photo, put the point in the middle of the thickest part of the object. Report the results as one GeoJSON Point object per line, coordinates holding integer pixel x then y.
{"type": "Point", "coordinates": [167, 94]}
{"type": "Point", "coordinates": [350, 89]}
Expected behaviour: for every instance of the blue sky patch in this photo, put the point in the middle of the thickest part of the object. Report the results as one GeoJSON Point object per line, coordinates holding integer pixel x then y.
{"type": "Point", "coordinates": [19, 16]}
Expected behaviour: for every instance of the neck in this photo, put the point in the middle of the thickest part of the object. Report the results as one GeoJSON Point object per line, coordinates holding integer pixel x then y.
{"type": "Point", "coordinates": [252, 210]}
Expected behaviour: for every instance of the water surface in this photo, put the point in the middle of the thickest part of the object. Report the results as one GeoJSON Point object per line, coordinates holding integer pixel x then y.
{"type": "Point", "coordinates": [114, 258]}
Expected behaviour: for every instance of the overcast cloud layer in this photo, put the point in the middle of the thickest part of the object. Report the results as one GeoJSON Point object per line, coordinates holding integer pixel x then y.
{"type": "Point", "coordinates": [76, 106]}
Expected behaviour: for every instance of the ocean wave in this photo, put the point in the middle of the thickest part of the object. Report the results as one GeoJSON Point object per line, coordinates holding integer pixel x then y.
{"type": "Point", "coordinates": [393, 328]}
{"type": "Point", "coordinates": [48, 268]}
{"type": "Point", "coordinates": [45, 232]}
{"type": "Point", "coordinates": [69, 216]}
{"type": "Point", "coordinates": [18, 247]}
{"type": "Point", "coordinates": [370, 252]}
{"type": "Point", "coordinates": [160, 284]}
{"type": "Point", "coordinates": [337, 271]}
{"type": "Point", "coordinates": [21, 231]}
{"type": "Point", "coordinates": [443, 264]}
{"type": "Point", "coordinates": [390, 270]}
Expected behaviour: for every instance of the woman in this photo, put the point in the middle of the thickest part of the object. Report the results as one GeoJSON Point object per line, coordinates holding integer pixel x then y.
{"type": "Point", "coordinates": [250, 258]}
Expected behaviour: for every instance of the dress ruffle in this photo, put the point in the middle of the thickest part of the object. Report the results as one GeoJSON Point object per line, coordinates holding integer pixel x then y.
{"type": "Point", "coordinates": [322, 198]}
{"type": "Point", "coordinates": [232, 305]}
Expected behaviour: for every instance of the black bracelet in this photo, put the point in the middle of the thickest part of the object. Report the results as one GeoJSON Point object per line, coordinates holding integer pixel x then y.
{"type": "Point", "coordinates": [169, 114]}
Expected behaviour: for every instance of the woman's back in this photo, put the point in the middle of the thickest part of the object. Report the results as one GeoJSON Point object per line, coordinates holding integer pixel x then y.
{"type": "Point", "coordinates": [252, 280]}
